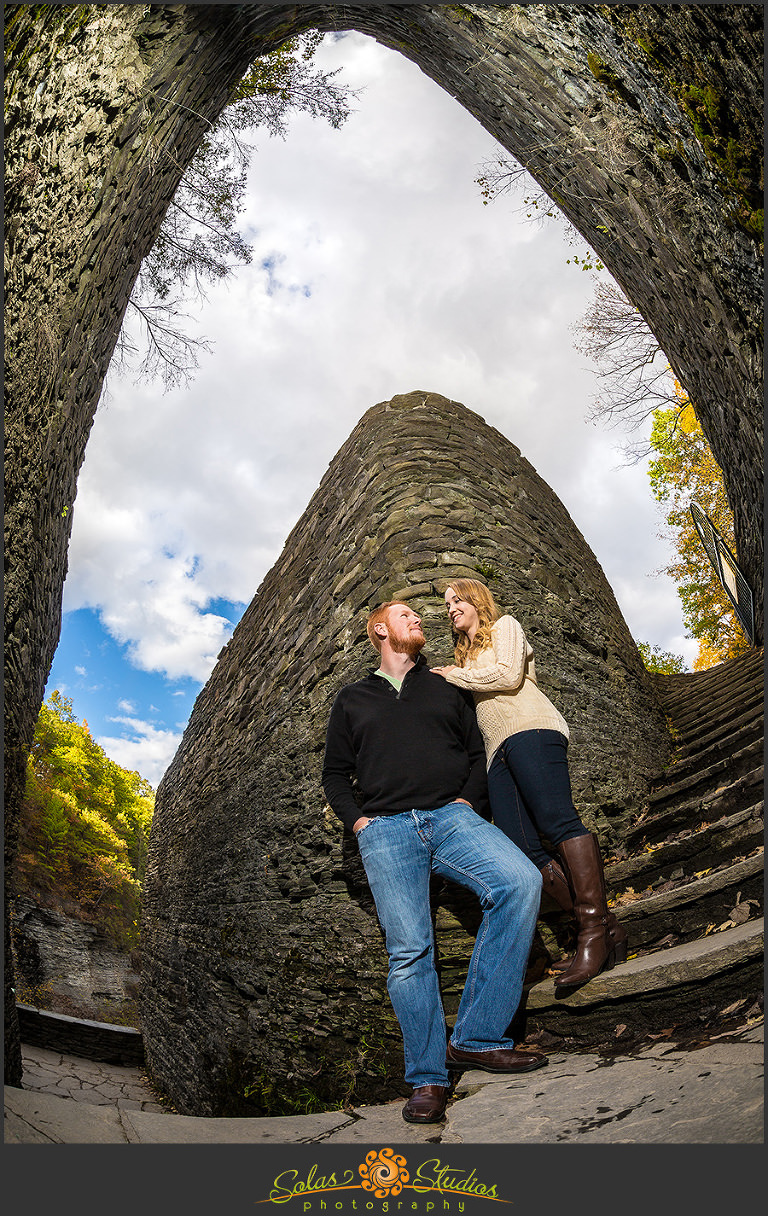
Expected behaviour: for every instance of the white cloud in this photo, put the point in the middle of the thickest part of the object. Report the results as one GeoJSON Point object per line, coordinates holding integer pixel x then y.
{"type": "Point", "coordinates": [141, 748]}
{"type": "Point", "coordinates": [386, 274]}
{"type": "Point", "coordinates": [81, 671]}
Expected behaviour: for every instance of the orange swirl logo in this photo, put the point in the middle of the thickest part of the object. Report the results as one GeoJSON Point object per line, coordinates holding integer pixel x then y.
{"type": "Point", "coordinates": [383, 1173]}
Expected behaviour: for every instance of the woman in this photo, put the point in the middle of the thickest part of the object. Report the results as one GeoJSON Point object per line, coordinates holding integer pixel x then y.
{"type": "Point", "coordinates": [529, 787]}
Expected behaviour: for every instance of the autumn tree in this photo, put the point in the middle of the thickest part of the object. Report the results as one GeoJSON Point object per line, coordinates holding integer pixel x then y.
{"type": "Point", "coordinates": [635, 384]}
{"type": "Point", "coordinates": [84, 828]}
{"type": "Point", "coordinates": [198, 242]}
{"type": "Point", "coordinates": [682, 470]}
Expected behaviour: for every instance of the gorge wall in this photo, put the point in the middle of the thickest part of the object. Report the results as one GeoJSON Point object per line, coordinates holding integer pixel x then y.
{"type": "Point", "coordinates": [69, 966]}
{"type": "Point", "coordinates": [643, 123]}
{"type": "Point", "coordinates": [263, 967]}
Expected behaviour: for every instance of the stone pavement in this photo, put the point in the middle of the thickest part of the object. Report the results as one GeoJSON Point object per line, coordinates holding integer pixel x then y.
{"type": "Point", "coordinates": [660, 1094]}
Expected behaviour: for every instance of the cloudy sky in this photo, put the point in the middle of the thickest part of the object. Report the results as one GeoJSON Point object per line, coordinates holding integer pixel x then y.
{"type": "Point", "coordinates": [376, 270]}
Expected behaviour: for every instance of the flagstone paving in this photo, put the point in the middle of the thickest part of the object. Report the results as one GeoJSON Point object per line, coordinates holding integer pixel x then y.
{"type": "Point", "coordinates": [664, 1093]}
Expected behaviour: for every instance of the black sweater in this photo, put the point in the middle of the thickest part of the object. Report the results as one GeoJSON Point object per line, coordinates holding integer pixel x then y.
{"type": "Point", "coordinates": [420, 748]}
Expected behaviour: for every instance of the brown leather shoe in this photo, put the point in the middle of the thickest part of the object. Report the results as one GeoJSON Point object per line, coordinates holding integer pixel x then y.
{"type": "Point", "coordinates": [426, 1104]}
{"type": "Point", "coordinates": [501, 1060]}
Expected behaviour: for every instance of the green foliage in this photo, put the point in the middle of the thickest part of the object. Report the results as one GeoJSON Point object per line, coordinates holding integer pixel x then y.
{"type": "Point", "coordinates": [457, 12]}
{"type": "Point", "coordinates": [589, 262]}
{"type": "Point", "coordinates": [23, 24]}
{"type": "Point", "coordinates": [707, 112]}
{"type": "Point", "coordinates": [738, 165]}
{"type": "Point", "coordinates": [84, 826]}
{"type": "Point", "coordinates": [270, 1098]}
{"type": "Point", "coordinates": [657, 660]}
{"type": "Point", "coordinates": [605, 75]}
{"type": "Point", "coordinates": [725, 135]}
{"type": "Point", "coordinates": [486, 570]}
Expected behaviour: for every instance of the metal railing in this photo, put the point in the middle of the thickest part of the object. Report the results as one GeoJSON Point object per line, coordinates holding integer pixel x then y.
{"type": "Point", "coordinates": [733, 582]}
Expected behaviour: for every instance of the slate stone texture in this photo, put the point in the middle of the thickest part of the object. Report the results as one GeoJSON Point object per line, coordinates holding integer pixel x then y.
{"type": "Point", "coordinates": [264, 970]}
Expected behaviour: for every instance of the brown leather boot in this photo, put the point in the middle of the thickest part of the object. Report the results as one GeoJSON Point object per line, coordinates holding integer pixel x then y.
{"type": "Point", "coordinates": [602, 942]}
{"type": "Point", "coordinates": [555, 884]}
{"type": "Point", "coordinates": [538, 962]}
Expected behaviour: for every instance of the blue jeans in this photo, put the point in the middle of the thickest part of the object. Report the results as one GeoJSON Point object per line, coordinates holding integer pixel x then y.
{"type": "Point", "coordinates": [399, 852]}
{"type": "Point", "coordinates": [529, 789]}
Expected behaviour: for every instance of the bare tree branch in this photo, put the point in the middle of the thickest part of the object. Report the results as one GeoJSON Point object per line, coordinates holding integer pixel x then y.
{"type": "Point", "coordinates": [198, 241]}
{"type": "Point", "coordinates": [634, 376]}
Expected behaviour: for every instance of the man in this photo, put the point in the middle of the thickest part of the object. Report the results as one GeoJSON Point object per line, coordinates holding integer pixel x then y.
{"type": "Point", "coordinates": [412, 741]}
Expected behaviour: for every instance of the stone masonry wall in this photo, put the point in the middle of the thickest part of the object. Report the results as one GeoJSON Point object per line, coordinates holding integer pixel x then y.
{"type": "Point", "coordinates": [121, 1045]}
{"type": "Point", "coordinates": [263, 966]}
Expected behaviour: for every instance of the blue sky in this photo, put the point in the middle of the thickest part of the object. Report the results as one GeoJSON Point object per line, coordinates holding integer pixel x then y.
{"type": "Point", "coordinates": [136, 715]}
{"type": "Point", "coordinates": [376, 270]}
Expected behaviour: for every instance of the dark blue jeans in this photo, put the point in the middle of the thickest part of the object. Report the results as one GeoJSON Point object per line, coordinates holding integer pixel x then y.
{"type": "Point", "coordinates": [530, 792]}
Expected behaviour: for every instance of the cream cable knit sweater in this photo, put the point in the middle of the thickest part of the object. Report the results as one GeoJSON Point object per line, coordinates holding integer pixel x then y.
{"type": "Point", "coordinates": [502, 680]}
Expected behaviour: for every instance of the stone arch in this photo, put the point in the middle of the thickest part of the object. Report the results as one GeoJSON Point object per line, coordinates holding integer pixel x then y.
{"type": "Point", "coordinates": [653, 157]}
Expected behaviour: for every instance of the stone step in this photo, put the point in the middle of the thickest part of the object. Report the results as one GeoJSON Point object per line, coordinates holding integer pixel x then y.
{"type": "Point", "coordinates": [694, 850]}
{"type": "Point", "coordinates": [726, 799]}
{"type": "Point", "coordinates": [695, 691]}
{"type": "Point", "coordinates": [747, 693]}
{"type": "Point", "coordinates": [704, 777]}
{"type": "Point", "coordinates": [695, 908]}
{"type": "Point", "coordinates": [750, 691]}
{"type": "Point", "coordinates": [702, 830]}
{"type": "Point", "coordinates": [681, 690]}
{"type": "Point", "coordinates": [709, 715]}
{"type": "Point", "coordinates": [686, 717]}
{"type": "Point", "coordinates": [661, 903]}
{"type": "Point", "coordinates": [677, 692]}
{"type": "Point", "coordinates": [681, 986]}
{"type": "Point", "coordinates": [722, 741]}
{"type": "Point", "coordinates": [705, 728]}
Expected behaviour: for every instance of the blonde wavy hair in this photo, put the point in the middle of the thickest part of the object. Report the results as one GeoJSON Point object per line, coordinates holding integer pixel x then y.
{"type": "Point", "coordinates": [478, 595]}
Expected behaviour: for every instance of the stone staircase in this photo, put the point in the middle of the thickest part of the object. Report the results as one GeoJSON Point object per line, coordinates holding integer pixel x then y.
{"type": "Point", "coordinates": [688, 886]}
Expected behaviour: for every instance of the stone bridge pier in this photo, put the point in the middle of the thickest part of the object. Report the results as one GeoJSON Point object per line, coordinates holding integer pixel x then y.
{"type": "Point", "coordinates": [264, 972]}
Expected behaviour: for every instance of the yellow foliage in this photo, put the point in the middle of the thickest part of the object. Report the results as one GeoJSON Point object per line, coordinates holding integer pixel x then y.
{"type": "Point", "coordinates": [686, 420]}
{"type": "Point", "coordinates": [84, 827]}
{"type": "Point", "coordinates": [683, 470]}
{"type": "Point", "coordinates": [105, 835]}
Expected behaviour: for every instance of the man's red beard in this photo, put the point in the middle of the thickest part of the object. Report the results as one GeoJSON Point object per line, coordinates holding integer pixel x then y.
{"type": "Point", "coordinates": [411, 645]}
